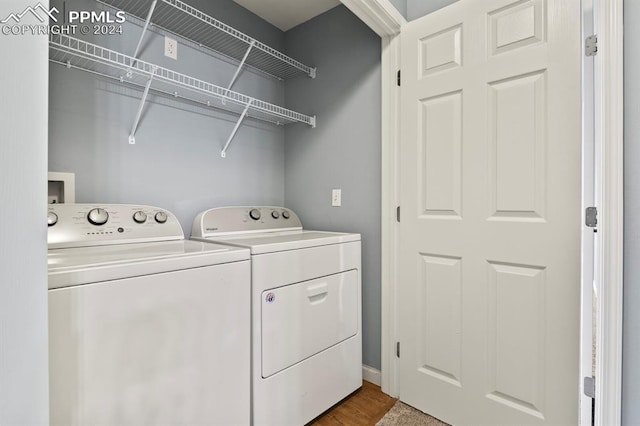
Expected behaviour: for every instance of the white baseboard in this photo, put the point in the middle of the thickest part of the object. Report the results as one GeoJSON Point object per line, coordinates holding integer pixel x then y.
{"type": "Point", "coordinates": [372, 375]}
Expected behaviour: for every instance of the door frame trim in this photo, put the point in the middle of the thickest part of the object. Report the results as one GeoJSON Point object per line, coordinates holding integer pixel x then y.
{"type": "Point", "coordinates": [589, 237]}
{"type": "Point", "coordinates": [379, 15]}
{"type": "Point", "coordinates": [382, 17]}
{"type": "Point", "coordinates": [609, 154]}
{"type": "Point", "coordinates": [390, 202]}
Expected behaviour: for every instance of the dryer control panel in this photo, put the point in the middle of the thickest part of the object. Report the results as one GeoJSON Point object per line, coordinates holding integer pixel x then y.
{"type": "Point", "coordinates": [225, 220]}
{"type": "Point", "coordinates": [82, 225]}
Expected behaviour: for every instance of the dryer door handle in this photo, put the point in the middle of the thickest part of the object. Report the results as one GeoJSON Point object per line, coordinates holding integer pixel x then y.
{"type": "Point", "coordinates": [317, 292]}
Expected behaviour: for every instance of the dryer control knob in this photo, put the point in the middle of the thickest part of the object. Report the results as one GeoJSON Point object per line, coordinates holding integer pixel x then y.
{"type": "Point", "coordinates": [285, 214]}
{"type": "Point", "coordinates": [275, 214]}
{"type": "Point", "coordinates": [161, 217]}
{"type": "Point", "coordinates": [52, 219]}
{"type": "Point", "coordinates": [140, 217]}
{"type": "Point", "coordinates": [254, 214]}
{"type": "Point", "coordinates": [98, 216]}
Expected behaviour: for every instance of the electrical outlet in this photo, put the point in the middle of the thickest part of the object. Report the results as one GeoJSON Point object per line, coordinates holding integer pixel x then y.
{"type": "Point", "coordinates": [336, 198]}
{"type": "Point", "coordinates": [170, 48]}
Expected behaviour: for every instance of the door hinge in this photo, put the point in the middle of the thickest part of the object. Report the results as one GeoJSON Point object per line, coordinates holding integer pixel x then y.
{"type": "Point", "coordinates": [398, 214]}
{"type": "Point", "coordinates": [591, 217]}
{"type": "Point", "coordinates": [591, 45]}
{"type": "Point", "coordinates": [398, 78]}
{"type": "Point", "coordinates": [589, 387]}
{"type": "Point", "coordinates": [398, 349]}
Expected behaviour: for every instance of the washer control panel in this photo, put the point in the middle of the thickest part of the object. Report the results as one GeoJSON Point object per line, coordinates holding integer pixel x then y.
{"type": "Point", "coordinates": [225, 220]}
{"type": "Point", "coordinates": [80, 225]}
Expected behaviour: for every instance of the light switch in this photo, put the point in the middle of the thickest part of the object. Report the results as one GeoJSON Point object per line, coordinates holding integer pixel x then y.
{"type": "Point", "coordinates": [336, 198]}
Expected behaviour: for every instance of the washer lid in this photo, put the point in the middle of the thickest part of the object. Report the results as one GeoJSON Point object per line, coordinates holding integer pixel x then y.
{"type": "Point", "coordinates": [75, 266]}
{"type": "Point", "coordinates": [269, 242]}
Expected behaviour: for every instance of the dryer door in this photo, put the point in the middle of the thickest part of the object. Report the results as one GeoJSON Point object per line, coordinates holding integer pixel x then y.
{"type": "Point", "coordinates": [303, 319]}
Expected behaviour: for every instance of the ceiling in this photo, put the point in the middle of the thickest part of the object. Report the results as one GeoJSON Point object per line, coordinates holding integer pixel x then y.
{"type": "Point", "coordinates": [286, 14]}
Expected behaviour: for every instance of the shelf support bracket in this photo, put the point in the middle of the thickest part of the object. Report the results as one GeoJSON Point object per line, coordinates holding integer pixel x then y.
{"type": "Point", "coordinates": [144, 30]}
{"type": "Point", "coordinates": [132, 135]}
{"type": "Point", "coordinates": [223, 154]}
{"type": "Point", "coordinates": [244, 59]}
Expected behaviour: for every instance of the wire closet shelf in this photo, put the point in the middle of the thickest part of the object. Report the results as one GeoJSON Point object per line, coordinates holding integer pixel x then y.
{"type": "Point", "coordinates": [179, 18]}
{"type": "Point", "coordinates": [74, 53]}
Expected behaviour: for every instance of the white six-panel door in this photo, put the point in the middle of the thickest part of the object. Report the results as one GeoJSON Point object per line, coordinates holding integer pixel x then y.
{"type": "Point", "coordinates": [491, 216]}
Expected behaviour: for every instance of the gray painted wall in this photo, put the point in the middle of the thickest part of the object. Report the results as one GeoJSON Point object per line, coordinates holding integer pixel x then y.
{"type": "Point", "coordinates": [401, 5]}
{"type": "Point", "coordinates": [344, 150]}
{"type": "Point", "coordinates": [175, 163]}
{"type": "Point", "coordinates": [418, 8]}
{"type": "Point", "coordinates": [631, 336]}
{"type": "Point", "coordinates": [24, 386]}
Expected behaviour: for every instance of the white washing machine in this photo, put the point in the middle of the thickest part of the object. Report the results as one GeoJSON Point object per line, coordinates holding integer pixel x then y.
{"type": "Point", "coordinates": [306, 310]}
{"type": "Point", "coordinates": [145, 328]}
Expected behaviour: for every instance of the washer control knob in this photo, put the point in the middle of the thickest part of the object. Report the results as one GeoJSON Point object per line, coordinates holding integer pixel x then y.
{"type": "Point", "coordinates": [161, 217]}
{"type": "Point", "coordinates": [285, 214]}
{"type": "Point", "coordinates": [254, 214]}
{"type": "Point", "coordinates": [52, 219]}
{"type": "Point", "coordinates": [140, 217]}
{"type": "Point", "coordinates": [98, 216]}
{"type": "Point", "coordinates": [275, 214]}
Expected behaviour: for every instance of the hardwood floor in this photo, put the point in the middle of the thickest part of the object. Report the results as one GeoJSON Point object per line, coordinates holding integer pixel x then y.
{"type": "Point", "coordinates": [365, 407]}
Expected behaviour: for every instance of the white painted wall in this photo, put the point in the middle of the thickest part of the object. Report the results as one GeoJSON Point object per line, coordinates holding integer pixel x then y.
{"type": "Point", "coordinates": [23, 234]}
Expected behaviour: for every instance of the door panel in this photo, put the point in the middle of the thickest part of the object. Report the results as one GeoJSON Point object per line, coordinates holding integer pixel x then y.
{"type": "Point", "coordinates": [441, 179]}
{"type": "Point", "coordinates": [441, 317]}
{"type": "Point", "coordinates": [441, 51]}
{"type": "Point", "coordinates": [517, 130]}
{"type": "Point", "coordinates": [490, 241]}
{"type": "Point", "coordinates": [516, 345]}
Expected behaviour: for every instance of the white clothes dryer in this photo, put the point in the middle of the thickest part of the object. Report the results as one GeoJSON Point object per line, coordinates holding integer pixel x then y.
{"type": "Point", "coordinates": [144, 326]}
{"type": "Point", "coordinates": [306, 310]}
